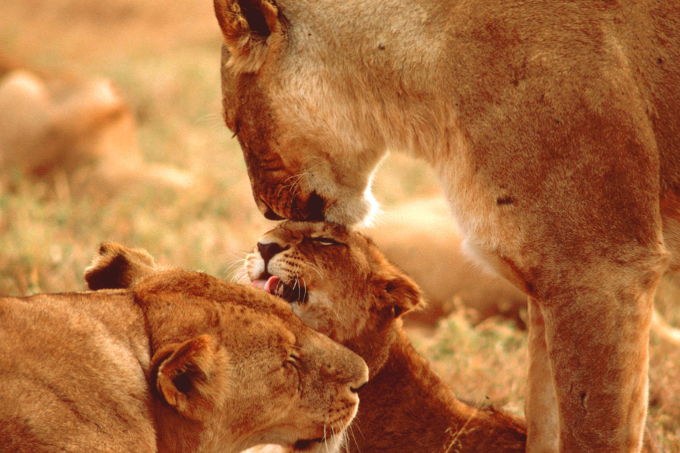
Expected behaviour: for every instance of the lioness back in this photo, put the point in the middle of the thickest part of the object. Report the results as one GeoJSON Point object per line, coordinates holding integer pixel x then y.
{"type": "Point", "coordinates": [57, 353]}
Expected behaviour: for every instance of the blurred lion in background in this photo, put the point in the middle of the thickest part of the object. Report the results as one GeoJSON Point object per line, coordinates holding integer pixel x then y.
{"type": "Point", "coordinates": [72, 131]}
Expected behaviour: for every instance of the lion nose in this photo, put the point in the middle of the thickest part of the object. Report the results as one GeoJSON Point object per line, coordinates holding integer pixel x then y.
{"type": "Point", "coordinates": [267, 211]}
{"type": "Point", "coordinates": [267, 251]}
{"type": "Point", "coordinates": [269, 214]}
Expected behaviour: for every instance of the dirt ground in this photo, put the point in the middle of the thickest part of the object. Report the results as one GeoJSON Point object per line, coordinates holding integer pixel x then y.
{"type": "Point", "coordinates": [164, 59]}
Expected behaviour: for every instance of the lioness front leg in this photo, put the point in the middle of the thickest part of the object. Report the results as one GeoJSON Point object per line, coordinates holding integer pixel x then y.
{"type": "Point", "coordinates": [541, 401]}
{"type": "Point", "coordinates": [597, 340]}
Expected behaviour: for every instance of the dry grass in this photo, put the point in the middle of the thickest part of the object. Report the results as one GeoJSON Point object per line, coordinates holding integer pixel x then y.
{"type": "Point", "coordinates": [165, 57]}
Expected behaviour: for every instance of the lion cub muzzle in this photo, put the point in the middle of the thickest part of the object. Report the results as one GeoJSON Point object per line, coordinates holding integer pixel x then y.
{"type": "Point", "coordinates": [278, 270]}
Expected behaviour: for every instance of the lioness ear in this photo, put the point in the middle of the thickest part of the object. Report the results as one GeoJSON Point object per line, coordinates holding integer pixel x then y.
{"type": "Point", "coordinates": [246, 26]}
{"type": "Point", "coordinates": [117, 266]}
{"type": "Point", "coordinates": [192, 376]}
{"type": "Point", "coordinates": [402, 294]}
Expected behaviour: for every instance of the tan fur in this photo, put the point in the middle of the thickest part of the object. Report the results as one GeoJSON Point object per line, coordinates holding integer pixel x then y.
{"type": "Point", "coordinates": [554, 130]}
{"type": "Point", "coordinates": [419, 238]}
{"type": "Point", "coordinates": [356, 297]}
{"type": "Point", "coordinates": [180, 362]}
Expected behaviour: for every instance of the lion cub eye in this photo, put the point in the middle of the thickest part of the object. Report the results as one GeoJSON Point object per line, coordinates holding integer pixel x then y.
{"type": "Point", "coordinates": [326, 241]}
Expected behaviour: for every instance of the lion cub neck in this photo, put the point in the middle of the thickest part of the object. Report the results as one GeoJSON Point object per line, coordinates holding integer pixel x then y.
{"type": "Point", "coordinates": [423, 413]}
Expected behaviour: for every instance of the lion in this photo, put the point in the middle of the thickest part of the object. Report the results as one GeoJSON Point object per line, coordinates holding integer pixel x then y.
{"type": "Point", "coordinates": [180, 362]}
{"type": "Point", "coordinates": [553, 128]}
{"type": "Point", "coordinates": [338, 282]}
{"type": "Point", "coordinates": [419, 238]}
{"type": "Point", "coordinates": [74, 131]}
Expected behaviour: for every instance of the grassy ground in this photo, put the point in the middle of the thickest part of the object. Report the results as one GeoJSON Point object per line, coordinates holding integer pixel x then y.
{"type": "Point", "coordinates": [165, 58]}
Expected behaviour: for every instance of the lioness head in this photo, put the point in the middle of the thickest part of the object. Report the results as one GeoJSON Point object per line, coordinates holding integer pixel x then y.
{"type": "Point", "coordinates": [300, 93]}
{"type": "Point", "coordinates": [337, 282]}
{"type": "Point", "coordinates": [250, 371]}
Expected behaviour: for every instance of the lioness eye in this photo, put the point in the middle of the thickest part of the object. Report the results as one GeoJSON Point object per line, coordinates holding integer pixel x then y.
{"type": "Point", "coordinates": [326, 241]}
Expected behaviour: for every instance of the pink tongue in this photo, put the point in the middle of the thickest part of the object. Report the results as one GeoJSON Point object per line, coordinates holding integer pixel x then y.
{"type": "Point", "coordinates": [271, 284]}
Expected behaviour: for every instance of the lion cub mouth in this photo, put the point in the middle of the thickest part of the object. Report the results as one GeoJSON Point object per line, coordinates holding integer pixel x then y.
{"type": "Point", "coordinates": [297, 293]}
{"type": "Point", "coordinates": [306, 445]}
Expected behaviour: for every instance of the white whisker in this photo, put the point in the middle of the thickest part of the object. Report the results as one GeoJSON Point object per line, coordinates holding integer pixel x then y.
{"type": "Point", "coordinates": [314, 268]}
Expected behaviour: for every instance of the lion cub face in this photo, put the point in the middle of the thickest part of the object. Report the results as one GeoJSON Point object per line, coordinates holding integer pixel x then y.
{"type": "Point", "coordinates": [308, 143]}
{"type": "Point", "coordinates": [337, 282]}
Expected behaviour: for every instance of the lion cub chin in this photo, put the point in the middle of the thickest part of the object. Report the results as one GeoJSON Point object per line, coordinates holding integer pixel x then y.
{"type": "Point", "coordinates": [179, 362]}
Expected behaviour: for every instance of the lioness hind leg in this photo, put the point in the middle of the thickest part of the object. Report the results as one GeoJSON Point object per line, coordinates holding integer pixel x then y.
{"type": "Point", "coordinates": [541, 401]}
{"type": "Point", "coordinates": [117, 266]}
{"type": "Point", "coordinates": [597, 339]}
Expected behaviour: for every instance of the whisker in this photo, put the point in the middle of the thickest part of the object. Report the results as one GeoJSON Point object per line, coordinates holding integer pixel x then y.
{"type": "Point", "coordinates": [350, 430]}
{"type": "Point", "coordinates": [305, 286]}
{"type": "Point", "coordinates": [325, 438]}
{"type": "Point", "coordinates": [238, 262]}
{"type": "Point", "coordinates": [314, 268]}
{"type": "Point", "coordinates": [210, 117]}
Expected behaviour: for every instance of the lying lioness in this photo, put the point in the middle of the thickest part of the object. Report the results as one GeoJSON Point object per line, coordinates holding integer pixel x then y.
{"type": "Point", "coordinates": [180, 362]}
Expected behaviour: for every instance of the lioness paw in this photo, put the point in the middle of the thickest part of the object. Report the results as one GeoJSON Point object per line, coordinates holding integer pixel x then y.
{"type": "Point", "coordinates": [117, 266]}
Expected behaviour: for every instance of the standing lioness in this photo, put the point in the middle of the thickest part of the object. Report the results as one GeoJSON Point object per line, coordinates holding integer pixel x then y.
{"type": "Point", "coordinates": [555, 129]}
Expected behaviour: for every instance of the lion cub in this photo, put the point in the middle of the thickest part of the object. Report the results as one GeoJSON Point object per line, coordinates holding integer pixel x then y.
{"type": "Point", "coordinates": [180, 362]}
{"type": "Point", "coordinates": [338, 282]}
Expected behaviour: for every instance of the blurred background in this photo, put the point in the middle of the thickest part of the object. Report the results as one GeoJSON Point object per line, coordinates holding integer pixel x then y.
{"type": "Point", "coordinates": [111, 130]}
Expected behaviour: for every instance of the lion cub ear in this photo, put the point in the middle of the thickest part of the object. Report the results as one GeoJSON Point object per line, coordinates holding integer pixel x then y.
{"type": "Point", "coordinates": [192, 376]}
{"type": "Point", "coordinates": [117, 266]}
{"type": "Point", "coordinates": [246, 26]}
{"type": "Point", "coordinates": [402, 293]}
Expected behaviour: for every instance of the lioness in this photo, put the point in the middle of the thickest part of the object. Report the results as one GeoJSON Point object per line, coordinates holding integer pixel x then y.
{"type": "Point", "coordinates": [78, 132]}
{"type": "Point", "coordinates": [181, 362]}
{"type": "Point", "coordinates": [555, 130]}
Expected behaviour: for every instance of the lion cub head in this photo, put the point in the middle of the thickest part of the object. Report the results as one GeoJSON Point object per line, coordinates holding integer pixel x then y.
{"type": "Point", "coordinates": [337, 282]}
{"type": "Point", "coordinates": [251, 373]}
